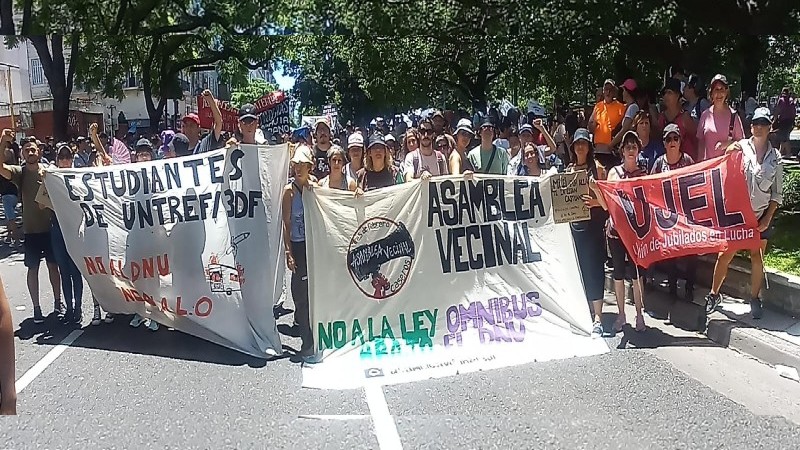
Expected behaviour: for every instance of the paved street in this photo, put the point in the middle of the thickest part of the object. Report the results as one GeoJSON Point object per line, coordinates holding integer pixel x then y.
{"type": "Point", "coordinates": [118, 387]}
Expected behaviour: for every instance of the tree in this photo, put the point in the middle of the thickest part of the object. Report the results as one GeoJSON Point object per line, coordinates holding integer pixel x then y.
{"type": "Point", "coordinates": [251, 91]}
{"type": "Point", "coordinates": [160, 37]}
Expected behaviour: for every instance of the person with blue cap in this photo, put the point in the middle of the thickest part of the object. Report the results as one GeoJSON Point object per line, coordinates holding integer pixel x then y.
{"type": "Point", "coordinates": [763, 169]}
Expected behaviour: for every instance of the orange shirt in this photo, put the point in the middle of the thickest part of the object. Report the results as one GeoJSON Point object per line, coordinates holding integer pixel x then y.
{"type": "Point", "coordinates": [607, 116]}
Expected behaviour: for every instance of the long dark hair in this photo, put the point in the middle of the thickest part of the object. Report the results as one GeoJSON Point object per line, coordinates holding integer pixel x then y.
{"type": "Point", "coordinates": [591, 164]}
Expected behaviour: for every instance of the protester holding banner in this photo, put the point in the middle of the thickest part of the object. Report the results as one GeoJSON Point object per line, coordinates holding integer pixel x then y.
{"type": "Point", "coordinates": [623, 263]}
{"type": "Point", "coordinates": [720, 126]}
{"type": "Point", "coordinates": [425, 162]}
{"type": "Point", "coordinates": [378, 171]}
{"type": "Point", "coordinates": [35, 221]}
{"type": "Point", "coordinates": [294, 242]}
{"type": "Point", "coordinates": [336, 179]}
{"type": "Point", "coordinates": [248, 126]}
{"type": "Point", "coordinates": [8, 391]}
{"type": "Point", "coordinates": [763, 168]}
{"type": "Point", "coordinates": [589, 235]}
{"type": "Point", "coordinates": [355, 154]}
{"type": "Point", "coordinates": [547, 153]}
{"type": "Point", "coordinates": [675, 158]}
{"type": "Point", "coordinates": [102, 160]}
{"type": "Point", "coordinates": [458, 161]}
{"type": "Point", "coordinates": [532, 165]}
{"type": "Point", "coordinates": [488, 158]}
{"type": "Point", "coordinates": [190, 126]}
{"type": "Point", "coordinates": [71, 279]}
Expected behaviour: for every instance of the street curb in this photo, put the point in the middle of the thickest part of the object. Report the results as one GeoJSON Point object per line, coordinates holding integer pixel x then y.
{"type": "Point", "coordinates": [718, 327]}
{"type": "Point", "coordinates": [751, 341]}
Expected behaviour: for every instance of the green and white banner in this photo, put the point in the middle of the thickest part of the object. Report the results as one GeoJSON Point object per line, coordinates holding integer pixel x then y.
{"type": "Point", "coordinates": [430, 279]}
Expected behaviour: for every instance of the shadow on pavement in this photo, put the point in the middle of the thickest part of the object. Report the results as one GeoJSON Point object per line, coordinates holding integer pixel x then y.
{"type": "Point", "coordinates": [120, 337]}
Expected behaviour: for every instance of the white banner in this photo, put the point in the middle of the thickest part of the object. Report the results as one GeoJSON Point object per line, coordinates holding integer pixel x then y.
{"type": "Point", "coordinates": [193, 243]}
{"type": "Point", "coordinates": [426, 280]}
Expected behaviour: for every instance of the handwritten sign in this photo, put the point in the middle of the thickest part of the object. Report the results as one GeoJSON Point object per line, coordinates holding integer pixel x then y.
{"type": "Point", "coordinates": [566, 191]}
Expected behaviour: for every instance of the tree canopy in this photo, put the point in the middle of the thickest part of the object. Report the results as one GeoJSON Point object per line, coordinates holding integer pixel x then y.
{"type": "Point", "coordinates": [378, 56]}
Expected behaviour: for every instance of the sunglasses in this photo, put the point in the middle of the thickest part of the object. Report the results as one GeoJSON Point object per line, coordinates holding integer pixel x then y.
{"type": "Point", "coordinates": [248, 120]}
{"type": "Point", "coordinates": [532, 155]}
{"type": "Point", "coordinates": [426, 131]}
{"type": "Point", "coordinates": [669, 139]}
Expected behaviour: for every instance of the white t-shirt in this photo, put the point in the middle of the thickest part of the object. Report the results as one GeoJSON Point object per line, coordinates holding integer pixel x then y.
{"type": "Point", "coordinates": [631, 111]}
{"type": "Point", "coordinates": [429, 163]}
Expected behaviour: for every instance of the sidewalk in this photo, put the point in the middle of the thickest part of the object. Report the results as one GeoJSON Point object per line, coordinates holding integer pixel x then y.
{"type": "Point", "coordinates": [774, 339]}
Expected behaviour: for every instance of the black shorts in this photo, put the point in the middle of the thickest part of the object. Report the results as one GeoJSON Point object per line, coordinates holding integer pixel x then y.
{"type": "Point", "coordinates": [38, 245]}
{"type": "Point", "coordinates": [624, 268]}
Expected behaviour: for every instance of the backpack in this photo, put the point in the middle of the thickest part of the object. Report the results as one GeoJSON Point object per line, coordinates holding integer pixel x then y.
{"type": "Point", "coordinates": [440, 160]}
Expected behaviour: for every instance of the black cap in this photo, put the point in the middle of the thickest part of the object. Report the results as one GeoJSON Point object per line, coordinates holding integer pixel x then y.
{"type": "Point", "coordinates": [487, 122]}
{"type": "Point", "coordinates": [376, 139]}
{"type": "Point", "coordinates": [180, 145]}
{"type": "Point", "coordinates": [672, 84]}
{"type": "Point", "coordinates": [247, 111]}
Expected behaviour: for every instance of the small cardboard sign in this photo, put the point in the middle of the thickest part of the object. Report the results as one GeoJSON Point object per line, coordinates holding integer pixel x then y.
{"type": "Point", "coordinates": [566, 190]}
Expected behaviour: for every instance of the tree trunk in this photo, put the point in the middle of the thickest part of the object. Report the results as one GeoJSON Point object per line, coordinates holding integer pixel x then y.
{"type": "Point", "coordinates": [54, 68]}
{"type": "Point", "coordinates": [752, 50]}
{"type": "Point", "coordinates": [7, 18]}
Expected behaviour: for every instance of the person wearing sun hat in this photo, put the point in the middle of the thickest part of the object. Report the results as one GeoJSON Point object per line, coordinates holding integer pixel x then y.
{"type": "Point", "coordinates": [763, 169]}
{"type": "Point", "coordinates": [719, 127]}
{"type": "Point", "coordinates": [589, 235]}
{"type": "Point", "coordinates": [458, 161]}
{"type": "Point", "coordinates": [294, 242]}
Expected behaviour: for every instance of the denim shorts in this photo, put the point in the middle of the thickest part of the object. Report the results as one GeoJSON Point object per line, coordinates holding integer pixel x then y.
{"type": "Point", "coordinates": [10, 206]}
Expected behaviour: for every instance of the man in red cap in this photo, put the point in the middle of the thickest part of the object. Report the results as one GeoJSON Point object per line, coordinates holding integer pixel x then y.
{"type": "Point", "coordinates": [190, 126]}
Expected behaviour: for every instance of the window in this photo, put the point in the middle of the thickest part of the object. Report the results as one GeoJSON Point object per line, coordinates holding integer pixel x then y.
{"type": "Point", "coordinates": [37, 73]}
{"type": "Point", "coordinates": [130, 80]}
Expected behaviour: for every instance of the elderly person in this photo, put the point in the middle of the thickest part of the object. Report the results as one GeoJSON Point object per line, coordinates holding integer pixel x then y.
{"type": "Point", "coordinates": [763, 169]}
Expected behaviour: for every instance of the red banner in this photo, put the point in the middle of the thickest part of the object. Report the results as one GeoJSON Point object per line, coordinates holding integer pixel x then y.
{"type": "Point", "coordinates": [230, 115]}
{"type": "Point", "coordinates": [703, 208]}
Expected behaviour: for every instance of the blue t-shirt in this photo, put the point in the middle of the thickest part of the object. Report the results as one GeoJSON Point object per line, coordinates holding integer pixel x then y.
{"type": "Point", "coordinates": [649, 154]}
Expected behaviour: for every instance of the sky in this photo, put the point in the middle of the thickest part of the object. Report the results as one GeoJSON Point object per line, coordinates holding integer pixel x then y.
{"type": "Point", "coordinates": [285, 82]}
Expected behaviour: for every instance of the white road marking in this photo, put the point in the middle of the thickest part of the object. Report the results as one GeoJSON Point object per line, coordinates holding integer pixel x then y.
{"type": "Point", "coordinates": [48, 359]}
{"type": "Point", "coordinates": [385, 428]}
{"type": "Point", "coordinates": [334, 416]}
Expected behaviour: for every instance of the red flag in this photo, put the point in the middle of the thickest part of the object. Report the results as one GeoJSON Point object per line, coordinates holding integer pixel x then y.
{"type": "Point", "coordinates": [702, 208]}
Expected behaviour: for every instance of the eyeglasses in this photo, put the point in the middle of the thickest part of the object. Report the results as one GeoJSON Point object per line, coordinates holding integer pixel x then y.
{"type": "Point", "coordinates": [426, 131]}
{"type": "Point", "coordinates": [669, 139]}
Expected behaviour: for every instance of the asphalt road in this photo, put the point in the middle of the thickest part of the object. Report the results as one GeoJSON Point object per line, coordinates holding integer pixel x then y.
{"type": "Point", "coordinates": [118, 387]}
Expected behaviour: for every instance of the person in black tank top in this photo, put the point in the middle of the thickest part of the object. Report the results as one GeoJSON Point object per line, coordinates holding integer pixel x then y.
{"type": "Point", "coordinates": [621, 259]}
{"type": "Point", "coordinates": [588, 235]}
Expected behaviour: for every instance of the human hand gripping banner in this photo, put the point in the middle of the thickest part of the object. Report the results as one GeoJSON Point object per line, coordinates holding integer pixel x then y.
{"type": "Point", "coordinates": [430, 279]}
{"type": "Point", "coordinates": [192, 242]}
{"type": "Point", "coordinates": [702, 208]}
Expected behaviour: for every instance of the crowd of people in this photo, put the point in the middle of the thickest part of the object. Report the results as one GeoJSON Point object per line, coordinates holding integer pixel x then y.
{"type": "Point", "coordinates": [625, 136]}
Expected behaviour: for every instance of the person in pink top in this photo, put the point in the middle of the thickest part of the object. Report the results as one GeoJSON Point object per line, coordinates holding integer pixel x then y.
{"type": "Point", "coordinates": [719, 125]}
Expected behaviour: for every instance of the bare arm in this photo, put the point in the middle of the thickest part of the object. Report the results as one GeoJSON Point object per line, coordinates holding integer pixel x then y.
{"type": "Point", "coordinates": [5, 138]}
{"type": "Point", "coordinates": [455, 163]}
{"type": "Point", "coordinates": [627, 124]}
{"type": "Point", "coordinates": [551, 143]}
{"type": "Point", "coordinates": [286, 212]}
{"type": "Point", "coordinates": [209, 97]}
{"type": "Point", "coordinates": [593, 120]}
{"type": "Point", "coordinates": [8, 391]}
